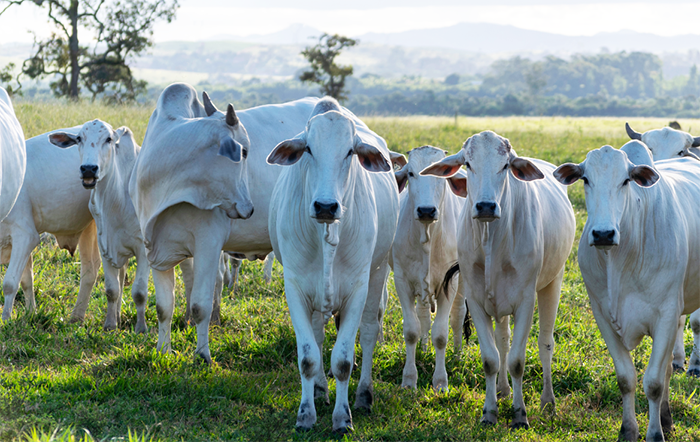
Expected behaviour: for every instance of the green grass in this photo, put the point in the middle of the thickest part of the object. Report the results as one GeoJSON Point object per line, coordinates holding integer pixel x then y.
{"type": "Point", "coordinates": [58, 380]}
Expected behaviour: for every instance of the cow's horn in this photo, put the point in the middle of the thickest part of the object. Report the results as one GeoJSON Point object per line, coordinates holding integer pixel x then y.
{"type": "Point", "coordinates": [696, 141]}
{"type": "Point", "coordinates": [209, 107]}
{"type": "Point", "coordinates": [231, 118]}
{"type": "Point", "coordinates": [632, 134]}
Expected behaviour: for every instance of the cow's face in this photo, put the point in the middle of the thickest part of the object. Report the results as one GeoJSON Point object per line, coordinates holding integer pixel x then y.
{"type": "Point", "coordinates": [96, 142]}
{"type": "Point", "coordinates": [329, 145]}
{"type": "Point", "coordinates": [667, 143]}
{"type": "Point", "coordinates": [607, 174]}
{"type": "Point", "coordinates": [427, 192]}
{"type": "Point", "coordinates": [489, 159]}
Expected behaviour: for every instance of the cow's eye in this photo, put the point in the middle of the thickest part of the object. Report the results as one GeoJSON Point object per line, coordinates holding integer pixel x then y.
{"type": "Point", "coordinates": [245, 153]}
{"type": "Point", "coordinates": [626, 182]}
{"type": "Point", "coordinates": [585, 180]}
{"type": "Point", "coordinates": [680, 154]}
{"type": "Point", "coordinates": [505, 167]}
{"type": "Point", "coordinates": [109, 139]}
{"type": "Point", "coordinates": [308, 150]}
{"type": "Point", "coordinates": [468, 166]}
{"type": "Point", "coordinates": [349, 153]}
{"type": "Point", "coordinates": [410, 174]}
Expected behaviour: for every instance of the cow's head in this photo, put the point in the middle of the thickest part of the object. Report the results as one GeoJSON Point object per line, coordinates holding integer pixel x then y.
{"type": "Point", "coordinates": [329, 146]}
{"type": "Point", "coordinates": [607, 174]}
{"type": "Point", "coordinates": [227, 136]}
{"type": "Point", "coordinates": [489, 159]}
{"type": "Point", "coordinates": [427, 192]}
{"type": "Point", "coordinates": [97, 143]}
{"type": "Point", "coordinates": [667, 143]}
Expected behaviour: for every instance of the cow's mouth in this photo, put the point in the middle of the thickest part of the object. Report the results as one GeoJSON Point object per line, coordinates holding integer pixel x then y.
{"type": "Point", "coordinates": [90, 182]}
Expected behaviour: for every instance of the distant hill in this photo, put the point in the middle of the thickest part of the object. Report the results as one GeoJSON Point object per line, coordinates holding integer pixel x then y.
{"type": "Point", "coordinates": [492, 38]}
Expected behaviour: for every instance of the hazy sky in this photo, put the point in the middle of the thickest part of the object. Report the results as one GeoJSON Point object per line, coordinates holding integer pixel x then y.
{"type": "Point", "coordinates": [202, 19]}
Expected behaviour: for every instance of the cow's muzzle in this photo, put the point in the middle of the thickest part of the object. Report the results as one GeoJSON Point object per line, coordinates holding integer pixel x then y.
{"type": "Point", "coordinates": [326, 212]}
{"type": "Point", "coordinates": [604, 239]}
{"type": "Point", "coordinates": [88, 174]}
{"type": "Point", "coordinates": [426, 214]}
{"type": "Point", "coordinates": [486, 211]}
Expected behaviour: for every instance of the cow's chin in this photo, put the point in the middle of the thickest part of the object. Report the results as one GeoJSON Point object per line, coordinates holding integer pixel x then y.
{"type": "Point", "coordinates": [325, 220]}
{"type": "Point", "coordinates": [604, 248]}
{"type": "Point", "coordinates": [89, 183]}
{"type": "Point", "coordinates": [486, 219]}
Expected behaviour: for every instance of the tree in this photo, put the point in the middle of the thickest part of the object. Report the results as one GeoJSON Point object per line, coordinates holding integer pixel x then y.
{"type": "Point", "coordinates": [324, 71]}
{"type": "Point", "coordinates": [122, 29]}
{"type": "Point", "coordinates": [6, 77]}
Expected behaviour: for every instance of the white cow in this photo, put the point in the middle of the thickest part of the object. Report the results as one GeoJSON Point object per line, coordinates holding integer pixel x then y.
{"type": "Point", "coordinates": [51, 200]}
{"type": "Point", "coordinates": [515, 235]}
{"type": "Point", "coordinates": [13, 155]}
{"type": "Point", "coordinates": [424, 249]}
{"type": "Point", "coordinates": [107, 161]}
{"type": "Point", "coordinates": [190, 191]}
{"type": "Point", "coordinates": [668, 144]}
{"type": "Point", "coordinates": [333, 217]}
{"type": "Point", "coordinates": [639, 252]}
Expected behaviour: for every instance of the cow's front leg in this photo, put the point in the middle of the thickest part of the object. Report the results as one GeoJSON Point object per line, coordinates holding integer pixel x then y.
{"type": "Point", "coordinates": [655, 377]}
{"type": "Point", "coordinates": [308, 355]}
{"type": "Point", "coordinates": [547, 304]}
{"type": "Point", "coordinates": [522, 323]}
{"type": "Point", "coordinates": [321, 382]}
{"type": "Point", "coordinates": [458, 314]}
{"type": "Point", "coordinates": [489, 358]}
{"type": "Point", "coordinates": [22, 245]}
{"type": "Point", "coordinates": [113, 292]}
{"type": "Point", "coordinates": [411, 328]}
{"type": "Point", "coordinates": [440, 333]}
{"type": "Point", "coordinates": [503, 345]}
{"type": "Point", "coordinates": [139, 291]}
{"type": "Point", "coordinates": [679, 347]}
{"type": "Point", "coordinates": [164, 283]}
{"type": "Point", "coordinates": [694, 362]}
{"type": "Point", "coordinates": [206, 274]}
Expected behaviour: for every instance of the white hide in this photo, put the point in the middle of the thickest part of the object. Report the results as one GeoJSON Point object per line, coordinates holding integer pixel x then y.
{"type": "Point", "coordinates": [334, 266]}
{"type": "Point", "coordinates": [422, 253]}
{"type": "Point", "coordinates": [13, 156]}
{"type": "Point", "coordinates": [641, 283]}
{"type": "Point", "coordinates": [183, 193]}
{"type": "Point", "coordinates": [668, 144]}
{"type": "Point", "coordinates": [51, 200]}
{"type": "Point", "coordinates": [509, 256]}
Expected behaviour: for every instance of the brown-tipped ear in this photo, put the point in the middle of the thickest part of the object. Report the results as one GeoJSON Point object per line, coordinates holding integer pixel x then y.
{"type": "Point", "coordinates": [645, 176]}
{"type": "Point", "coordinates": [568, 173]}
{"type": "Point", "coordinates": [209, 107]}
{"type": "Point", "coordinates": [398, 159]}
{"type": "Point", "coordinates": [446, 167]}
{"type": "Point", "coordinates": [63, 139]}
{"type": "Point", "coordinates": [287, 152]}
{"type": "Point", "coordinates": [401, 178]}
{"type": "Point", "coordinates": [371, 158]}
{"type": "Point", "coordinates": [525, 170]}
{"type": "Point", "coordinates": [458, 184]}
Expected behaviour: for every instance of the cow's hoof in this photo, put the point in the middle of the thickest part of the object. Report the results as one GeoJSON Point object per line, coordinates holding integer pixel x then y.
{"type": "Point", "coordinates": [548, 406]}
{"type": "Point", "coordinates": [693, 372]}
{"type": "Point", "coordinates": [441, 389]}
{"type": "Point", "coordinates": [141, 328]}
{"type": "Point", "coordinates": [520, 426]}
{"type": "Point", "coordinates": [364, 399]}
{"type": "Point", "coordinates": [109, 327]}
{"type": "Point", "coordinates": [629, 433]}
{"type": "Point", "coordinates": [321, 393]}
{"type": "Point", "coordinates": [205, 357]}
{"type": "Point", "coordinates": [300, 429]}
{"type": "Point", "coordinates": [341, 431]}
{"type": "Point", "coordinates": [678, 368]}
{"type": "Point", "coordinates": [72, 320]}
{"type": "Point", "coordinates": [489, 417]}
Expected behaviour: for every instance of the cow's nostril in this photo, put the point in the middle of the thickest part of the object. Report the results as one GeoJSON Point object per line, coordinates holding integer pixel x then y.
{"type": "Point", "coordinates": [326, 210]}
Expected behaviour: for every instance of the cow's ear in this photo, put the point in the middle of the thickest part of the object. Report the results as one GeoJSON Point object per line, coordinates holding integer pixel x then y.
{"type": "Point", "coordinates": [63, 139]}
{"type": "Point", "coordinates": [446, 167]}
{"type": "Point", "coordinates": [370, 157]}
{"type": "Point", "coordinates": [643, 175]}
{"type": "Point", "coordinates": [288, 152]}
{"type": "Point", "coordinates": [458, 183]}
{"type": "Point", "coordinates": [525, 170]}
{"type": "Point", "coordinates": [401, 178]}
{"type": "Point", "coordinates": [688, 154]}
{"type": "Point", "coordinates": [568, 173]}
{"type": "Point", "coordinates": [230, 149]}
{"type": "Point", "coordinates": [398, 159]}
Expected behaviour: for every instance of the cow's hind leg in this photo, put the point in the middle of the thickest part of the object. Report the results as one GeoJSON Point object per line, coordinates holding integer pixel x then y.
{"type": "Point", "coordinates": [113, 291]}
{"type": "Point", "coordinates": [547, 304]}
{"type": "Point", "coordinates": [187, 269]}
{"type": "Point", "coordinates": [655, 378]}
{"type": "Point", "coordinates": [27, 284]}
{"type": "Point", "coordinates": [321, 382]}
{"type": "Point", "coordinates": [679, 348]}
{"type": "Point", "coordinates": [694, 363]}
{"type": "Point", "coordinates": [164, 282]}
{"type": "Point", "coordinates": [206, 271]}
{"type": "Point", "coordinates": [369, 332]}
{"type": "Point", "coordinates": [458, 313]}
{"type": "Point", "coordinates": [490, 360]}
{"type": "Point", "coordinates": [411, 329]}
{"type": "Point", "coordinates": [503, 345]}
{"type": "Point", "coordinates": [440, 334]}
{"type": "Point", "coordinates": [89, 269]}
{"type": "Point", "coordinates": [22, 246]}
{"type": "Point", "coordinates": [139, 291]}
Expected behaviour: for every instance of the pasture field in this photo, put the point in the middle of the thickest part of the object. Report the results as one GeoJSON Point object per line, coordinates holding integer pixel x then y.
{"type": "Point", "coordinates": [63, 378]}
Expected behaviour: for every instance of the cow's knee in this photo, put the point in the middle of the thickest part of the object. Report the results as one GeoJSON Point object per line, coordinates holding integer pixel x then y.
{"type": "Point", "coordinates": [516, 367]}
{"type": "Point", "coordinates": [139, 298]}
{"type": "Point", "coordinates": [490, 366]}
{"type": "Point", "coordinates": [112, 295]}
{"type": "Point", "coordinates": [200, 313]}
{"type": "Point", "coordinates": [9, 287]}
{"type": "Point", "coordinates": [342, 369]}
{"type": "Point", "coordinates": [695, 324]}
{"type": "Point", "coordinates": [653, 389]}
{"type": "Point", "coordinates": [440, 342]}
{"type": "Point", "coordinates": [625, 384]}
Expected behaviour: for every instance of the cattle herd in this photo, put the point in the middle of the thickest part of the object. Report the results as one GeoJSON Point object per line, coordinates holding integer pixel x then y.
{"type": "Point", "coordinates": [488, 240]}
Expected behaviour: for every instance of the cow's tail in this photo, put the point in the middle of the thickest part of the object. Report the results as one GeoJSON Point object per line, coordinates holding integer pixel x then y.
{"type": "Point", "coordinates": [466, 326]}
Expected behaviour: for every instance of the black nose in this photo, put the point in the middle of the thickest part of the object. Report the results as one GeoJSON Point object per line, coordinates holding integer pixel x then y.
{"type": "Point", "coordinates": [486, 207]}
{"type": "Point", "coordinates": [603, 237]}
{"type": "Point", "coordinates": [426, 213]}
{"type": "Point", "coordinates": [325, 210]}
{"type": "Point", "coordinates": [88, 170]}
